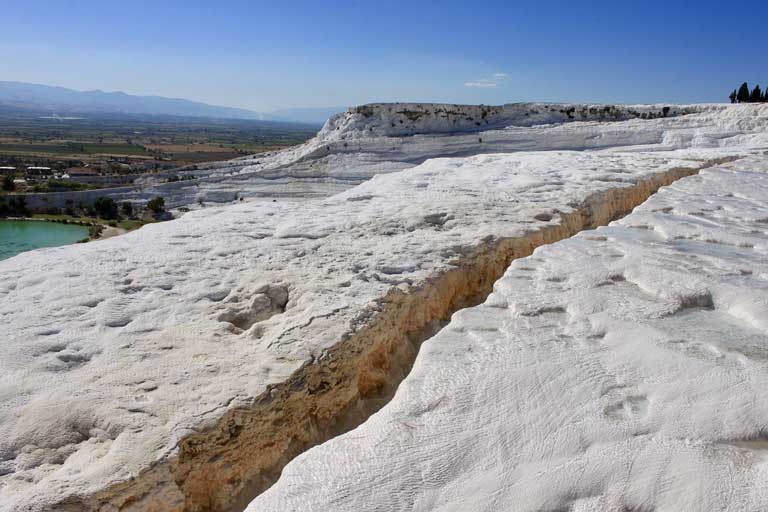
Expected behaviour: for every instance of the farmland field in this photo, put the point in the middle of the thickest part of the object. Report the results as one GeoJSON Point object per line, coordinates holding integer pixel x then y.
{"type": "Point", "coordinates": [166, 142]}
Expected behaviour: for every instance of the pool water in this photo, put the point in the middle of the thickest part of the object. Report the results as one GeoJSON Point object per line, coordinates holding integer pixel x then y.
{"type": "Point", "coordinates": [17, 236]}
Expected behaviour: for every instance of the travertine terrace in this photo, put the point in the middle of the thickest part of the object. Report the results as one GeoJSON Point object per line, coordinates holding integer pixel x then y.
{"type": "Point", "coordinates": [381, 138]}
{"type": "Point", "coordinates": [621, 369]}
{"type": "Point", "coordinates": [180, 367]}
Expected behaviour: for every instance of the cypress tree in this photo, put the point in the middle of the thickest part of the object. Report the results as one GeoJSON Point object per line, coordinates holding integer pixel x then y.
{"type": "Point", "coordinates": [743, 95]}
{"type": "Point", "coordinates": [756, 96]}
{"type": "Point", "coordinates": [732, 96]}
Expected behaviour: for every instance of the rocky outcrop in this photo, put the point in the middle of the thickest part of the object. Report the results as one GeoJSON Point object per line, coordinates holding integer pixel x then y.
{"type": "Point", "coordinates": [381, 138]}
{"type": "Point", "coordinates": [227, 465]}
{"type": "Point", "coordinates": [406, 119]}
{"type": "Point", "coordinates": [179, 367]}
{"type": "Point", "coordinates": [620, 369]}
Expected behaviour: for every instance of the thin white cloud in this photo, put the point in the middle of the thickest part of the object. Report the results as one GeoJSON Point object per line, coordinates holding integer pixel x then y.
{"type": "Point", "coordinates": [487, 83]}
{"type": "Point", "coordinates": [480, 84]}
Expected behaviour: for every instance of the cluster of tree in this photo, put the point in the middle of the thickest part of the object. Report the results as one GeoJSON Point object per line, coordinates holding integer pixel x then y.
{"type": "Point", "coordinates": [156, 205]}
{"type": "Point", "coordinates": [745, 95]}
{"type": "Point", "coordinates": [103, 208]}
{"type": "Point", "coordinates": [14, 207]}
{"type": "Point", "coordinates": [8, 184]}
{"type": "Point", "coordinates": [107, 208]}
{"type": "Point", "coordinates": [55, 185]}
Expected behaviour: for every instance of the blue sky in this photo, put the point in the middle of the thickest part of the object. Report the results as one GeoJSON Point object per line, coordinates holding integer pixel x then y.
{"type": "Point", "coordinates": [268, 55]}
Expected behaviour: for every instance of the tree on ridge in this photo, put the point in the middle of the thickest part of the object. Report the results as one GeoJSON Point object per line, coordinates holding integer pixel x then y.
{"type": "Point", "coordinates": [743, 95]}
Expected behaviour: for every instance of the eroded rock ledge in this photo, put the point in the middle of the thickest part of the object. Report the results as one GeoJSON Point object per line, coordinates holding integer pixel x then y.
{"type": "Point", "coordinates": [388, 137]}
{"type": "Point", "coordinates": [407, 119]}
{"type": "Point", "coordinates": [224, 466]}
{"type": "Point", "coordinates": [181, 366]}
{"type": "Point", "coordinates": [620, 369]}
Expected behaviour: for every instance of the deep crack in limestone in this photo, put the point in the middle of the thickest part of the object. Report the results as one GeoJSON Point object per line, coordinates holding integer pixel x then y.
{"type": "Point", "coordinates": [223, 467]}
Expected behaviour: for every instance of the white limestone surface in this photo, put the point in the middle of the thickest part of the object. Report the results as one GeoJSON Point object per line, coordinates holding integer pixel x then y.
{"type": "Point", "coordinates": [380, 138]}
{"type": "Point", "coordinates": [625, 368]}
{"type": "Point", "coordinates": [116, 349]}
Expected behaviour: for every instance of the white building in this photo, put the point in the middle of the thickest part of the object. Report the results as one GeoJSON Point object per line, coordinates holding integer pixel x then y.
{"type": "Point", "coordinates": [38, 171]}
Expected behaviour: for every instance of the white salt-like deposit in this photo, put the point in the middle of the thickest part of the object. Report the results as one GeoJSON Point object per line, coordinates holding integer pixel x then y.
{"type": "Point", "coordinates": [622, 369]}
{"type": "Point", "coordinates": [382, 138]}
{"type": "Point", "coordinates": [182, 365]}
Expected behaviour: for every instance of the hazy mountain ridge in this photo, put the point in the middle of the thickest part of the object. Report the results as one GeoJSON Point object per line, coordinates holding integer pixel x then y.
{"type": "Point", "coordinates": [60, 99]}
{"type": "Point", "coordinates": [45, 98]}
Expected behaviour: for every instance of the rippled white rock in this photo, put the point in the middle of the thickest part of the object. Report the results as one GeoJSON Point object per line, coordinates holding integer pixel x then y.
{"type": "Point", "coordinates": [116, 351]}
{"type": "Point", "coordinates": [382, 138]}
{"type": "Point", "coordinates": [622, 369]}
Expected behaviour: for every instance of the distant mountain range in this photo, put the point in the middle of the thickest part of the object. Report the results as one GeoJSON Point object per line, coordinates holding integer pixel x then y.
{"type": "Point", "coordinates": [22, 96]}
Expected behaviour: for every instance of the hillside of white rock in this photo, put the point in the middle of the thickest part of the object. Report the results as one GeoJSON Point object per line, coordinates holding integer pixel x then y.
{"type": "Point", "coordinates": [622, 369]}
{"type": "Point", "coordinates": [182, 366]}
{"type": "Point", "coordinates": [381, 138]}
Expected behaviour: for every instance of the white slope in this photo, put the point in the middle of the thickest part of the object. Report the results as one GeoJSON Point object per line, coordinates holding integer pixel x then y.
{"type": "Point", "coordinates": [622, 369]}
{"type": "Point", "coordinates": [127, 363]}
{"type": "Point", "coordinates": [381, 138]}
{"type": "Point", "coordinates": [116, 349]}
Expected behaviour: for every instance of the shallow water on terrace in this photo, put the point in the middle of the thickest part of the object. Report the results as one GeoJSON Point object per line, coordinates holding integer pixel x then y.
{"type": "Point", "coordinates": [17, 236]}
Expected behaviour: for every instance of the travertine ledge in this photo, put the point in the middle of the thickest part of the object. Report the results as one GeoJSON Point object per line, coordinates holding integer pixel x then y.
{"type": "Point", "coordinates": [224, 466]}
{"type": "Point", "coordinates": [620, 369]}
{"type": "Point", "coordinates": [181, 366]}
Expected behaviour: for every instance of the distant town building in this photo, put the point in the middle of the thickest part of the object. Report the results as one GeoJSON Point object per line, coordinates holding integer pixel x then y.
{"type": "Point", "coordinates": [7, 170]}
{"type": "Point", "coordinates": [39, 171]}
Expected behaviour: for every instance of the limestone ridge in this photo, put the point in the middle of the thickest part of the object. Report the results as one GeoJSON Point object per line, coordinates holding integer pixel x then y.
{"type": "Point", "coordinates": [389, 137]}
{"type": "Point", "coordinates": [405, 119]}
{"type": "Point", "coordinates": [620, 369]}
{"type": "Point", "coordinates": [225, 462]}
{"type": "Point", "coordinates": [225, 466]}
{"type": "Point", "coordinates": [181, 366]}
